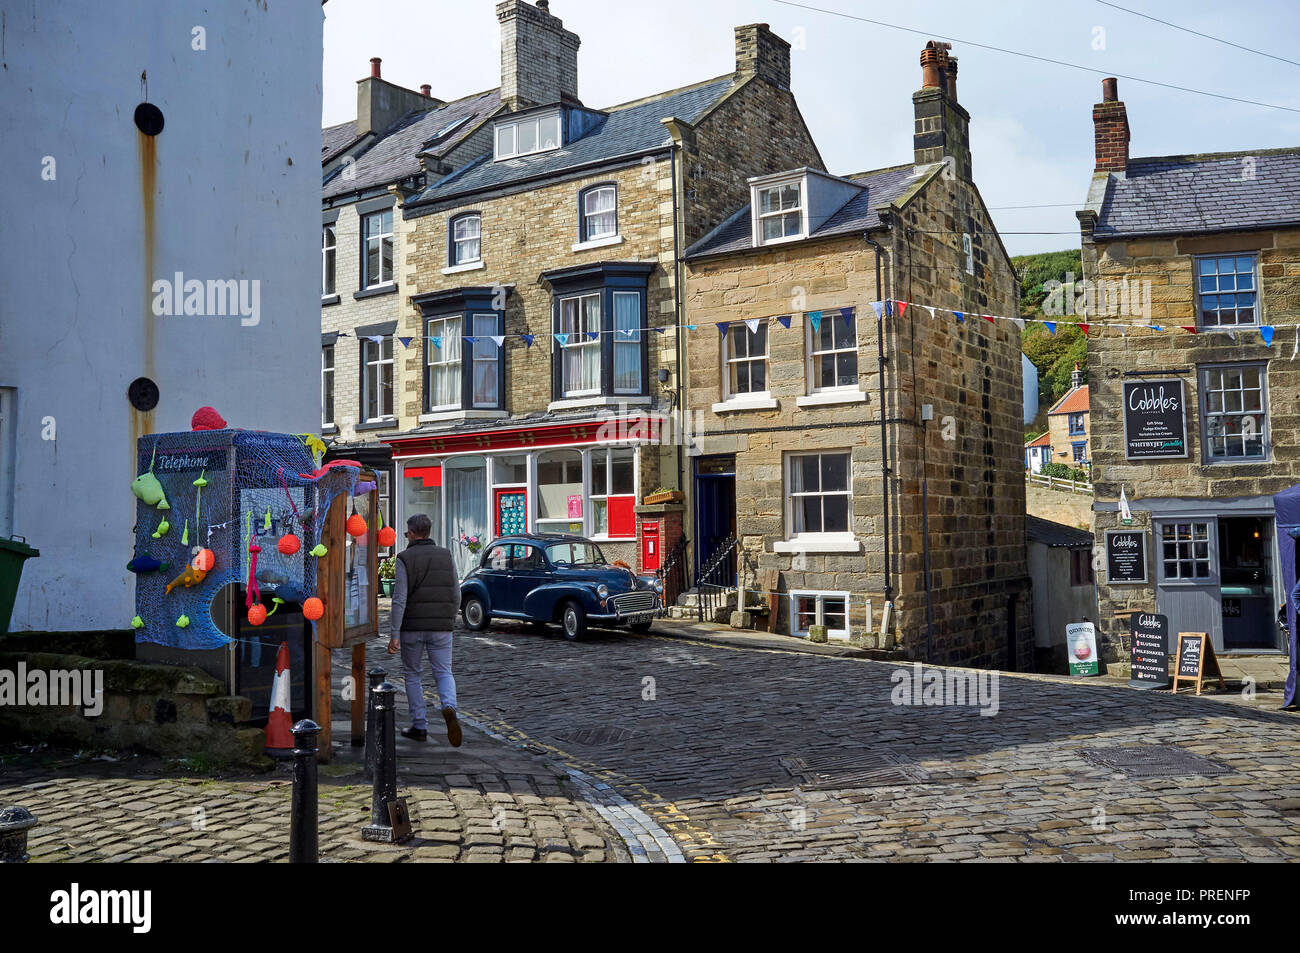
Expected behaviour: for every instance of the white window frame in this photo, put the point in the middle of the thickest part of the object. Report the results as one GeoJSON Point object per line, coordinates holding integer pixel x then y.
{"type": "Point", "coordinates": [535, 513]}
{"type": "Point", "coordinates": [1254, 289]}
{"type": "Point", "coordinates": [578, 340]}
{"type": "Point", "coordinates": [619, 340]}
{"type": "Point", "coordinates": [810, 340]}
{"type": "Point", "coordinates": [483, 352]}
{"type": "Point", "coordinates": [455, 243]}
{"type": "Point", "coordinates": [328, 256]}
{"type": "Point", "coordinates": [1203, 377]}
{"type": "Point", "coordinates": [817, 540]}
{"type": "Point", "coordinates": [514, 126]}
{"type": "Point", "coordinates": [451, 328]}
{"type": "Point", "coordinates": [729, 358]}
{"type": "Point", "coordinates": [375, 368]}
{"type": "Point", "coordinates": [759, 216]}
{"type": "Point", "coordinates": [970, 255]}
{"type": "Point", "coordinates": [8, 453]}
{"type": "Point", "coordinates": [602, 456]}
{"type": "Point", "coordinates": [585, 234]}
{"type": "Point", "coordinates": [821, 596]}
{"type": "Point", "coordinates": [378, 238]}
{"type": "Point", "coordinates": [327, 373]}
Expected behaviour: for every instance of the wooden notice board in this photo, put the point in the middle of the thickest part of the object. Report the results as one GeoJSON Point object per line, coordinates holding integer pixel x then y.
{"type": "Point", "coordinates": [347, 581]}
{"type": "Point", "coordinates": [1196, 661]}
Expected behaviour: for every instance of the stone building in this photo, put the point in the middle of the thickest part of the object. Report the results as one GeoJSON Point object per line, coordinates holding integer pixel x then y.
{"type": "Point", "coordinates": [1195, 421]}
{"type": "Point", "coordinates": [846, 448]}
{"type": "Point", "coordinates": [399, 142]}
{"type": "Point", "coordinates": [1067, 425]}
{"type": "Point", "coordinates": [543, 386]}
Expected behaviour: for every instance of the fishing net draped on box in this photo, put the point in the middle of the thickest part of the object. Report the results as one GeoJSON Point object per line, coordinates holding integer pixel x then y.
{"type": "Point", "coordinates": [220, 507]}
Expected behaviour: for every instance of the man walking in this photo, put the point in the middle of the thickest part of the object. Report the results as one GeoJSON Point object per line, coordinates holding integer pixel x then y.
{"type": "Point", "coordinates": [426, 598]}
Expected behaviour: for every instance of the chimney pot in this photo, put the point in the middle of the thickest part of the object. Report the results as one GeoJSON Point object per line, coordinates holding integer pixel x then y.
{"type": "Point", "coordinates": [374, 66]}
{"type": "Point", "coordinates": [544, 5]}
{"type": "Point", "coordinates": [952, 78]}
{"type": "Point", "coordinates": [1109, 90]}
{"type": "Point", "coordinates": [426, 90]}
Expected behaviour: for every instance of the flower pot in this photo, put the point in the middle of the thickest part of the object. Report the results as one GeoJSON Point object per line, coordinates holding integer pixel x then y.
{"type": "Point", "coordinates": [668, 496]}
{"type": "Point", "coordinates": [388, 587]}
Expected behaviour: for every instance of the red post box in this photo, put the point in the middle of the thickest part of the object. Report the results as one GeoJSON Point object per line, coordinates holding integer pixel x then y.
{"type": "Point", "coordinates": [649, 546]}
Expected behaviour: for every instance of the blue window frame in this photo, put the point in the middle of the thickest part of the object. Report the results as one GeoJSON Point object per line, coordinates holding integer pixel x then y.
{"type": "Point", "coordinates": [1076, 424]}
{"type": "Point", "coordinates": [1078, 450]}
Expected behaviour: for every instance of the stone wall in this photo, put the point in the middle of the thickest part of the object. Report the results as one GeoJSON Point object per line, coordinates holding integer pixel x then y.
{"type": "Point", "coordinates": [1058, 427]}
{"type": "Point", "coordinates": [1168, 265]}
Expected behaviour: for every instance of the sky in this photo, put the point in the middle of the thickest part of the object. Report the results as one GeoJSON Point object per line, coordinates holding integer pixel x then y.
{"type": "Point", "coordinates": [1031, 121]}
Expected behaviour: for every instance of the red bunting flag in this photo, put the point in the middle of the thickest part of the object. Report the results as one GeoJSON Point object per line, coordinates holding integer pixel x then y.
{"type": "Point", "coordinates": [902, 306]}
{"type": "Point", "coordinates": [1189, 330]}
{"type": "Point", "coordinates": [1084, 327]}
{"type": "Point", "coordinates": [988, 318]}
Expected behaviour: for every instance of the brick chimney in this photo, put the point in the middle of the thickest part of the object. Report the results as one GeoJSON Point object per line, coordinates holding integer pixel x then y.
{"type": "Point", "coordinates": [539, 58]}
{"type": "Point", "coordinates": [761, 52]}
{"type": "Point", "coordinates": [942, 125]}
{"type": "Point", "coordinates": [381, 103]}
{"type": "Point", "coordinates": [1110, 128]}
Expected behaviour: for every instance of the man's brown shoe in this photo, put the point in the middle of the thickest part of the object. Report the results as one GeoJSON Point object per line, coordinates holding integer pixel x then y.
{"type": "Point", "coordinates": [453, 726]}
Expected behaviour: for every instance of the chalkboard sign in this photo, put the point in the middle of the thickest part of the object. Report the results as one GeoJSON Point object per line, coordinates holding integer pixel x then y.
{"type": "Point", "coordinates": [1149, 651]}
{"type": "Point", "coordinates": [1196, 661]}
{"type": "Point", "coordinates": [1126, 556]}
{"type": "Point", "coordinates": [1155, 420]}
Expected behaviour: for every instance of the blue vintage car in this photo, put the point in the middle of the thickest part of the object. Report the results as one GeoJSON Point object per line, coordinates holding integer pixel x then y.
{"type": "Point", "coordinates": [547, 578]}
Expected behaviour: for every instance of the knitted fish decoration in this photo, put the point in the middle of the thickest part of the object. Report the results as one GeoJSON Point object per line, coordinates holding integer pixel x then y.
{"type": "Point", "coordinates": [189, 578]}
{"type": "Point", "coordinates": [146, 563]}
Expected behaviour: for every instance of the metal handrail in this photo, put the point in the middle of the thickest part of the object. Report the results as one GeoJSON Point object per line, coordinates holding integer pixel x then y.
{"type": "Point", "coordinates": [673, 574]}
{"type": "Point", "coordinates": [717, 578]}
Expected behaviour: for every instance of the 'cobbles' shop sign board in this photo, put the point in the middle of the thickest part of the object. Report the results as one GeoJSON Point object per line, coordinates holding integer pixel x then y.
{"type": "Point", "coordinates": [1126, 556]}
{"type": "Point", "coordinates": [1149, 662]}
{"type": "Point", "coordinates": [1155, 420]}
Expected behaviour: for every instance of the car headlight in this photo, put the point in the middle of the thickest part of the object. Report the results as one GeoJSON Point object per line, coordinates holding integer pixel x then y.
{"type": "Point", "coordinates": [603, 591]}
{"type": "Point", "coordinates": [659, 585]}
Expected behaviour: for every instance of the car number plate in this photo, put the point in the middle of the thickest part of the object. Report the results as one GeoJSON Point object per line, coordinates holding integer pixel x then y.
{"type": "Point", "coordinates": [640, 618]}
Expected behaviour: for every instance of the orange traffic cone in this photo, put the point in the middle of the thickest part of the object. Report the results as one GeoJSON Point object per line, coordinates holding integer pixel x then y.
{"type": "Point", "coordinates": [279, 736]}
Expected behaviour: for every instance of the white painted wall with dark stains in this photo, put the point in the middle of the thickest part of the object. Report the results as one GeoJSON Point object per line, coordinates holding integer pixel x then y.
{"type": "Point", "coordinates": [93, 212]}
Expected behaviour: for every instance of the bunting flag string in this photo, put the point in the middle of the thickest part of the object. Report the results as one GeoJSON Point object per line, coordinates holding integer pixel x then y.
{"type": "Point", "coordinates": [884, 308]}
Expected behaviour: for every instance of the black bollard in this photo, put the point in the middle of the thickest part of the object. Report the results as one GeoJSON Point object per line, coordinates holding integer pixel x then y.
{"type": "Point", "coordinates": [304, 832]}
{"type": "Point", "coordinates": [380, 827]}
{"type": "Point", "coordinates": [15, 822]}
{"type": "Point", "coordinates": [377, 677]}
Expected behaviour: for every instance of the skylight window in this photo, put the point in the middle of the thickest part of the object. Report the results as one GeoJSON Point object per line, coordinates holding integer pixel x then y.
{"type": "Point", "coordinates": [521, 137]}
{"type": "Point", "coordinates": [452, 127]}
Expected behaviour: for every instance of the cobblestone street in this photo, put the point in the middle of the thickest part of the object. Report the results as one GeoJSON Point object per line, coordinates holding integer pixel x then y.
{"type": "Point", "coordinates": [660, 749]}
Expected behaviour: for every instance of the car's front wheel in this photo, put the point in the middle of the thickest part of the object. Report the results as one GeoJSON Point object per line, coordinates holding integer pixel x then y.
{"type": "Point", "coordinates": [475, 614]}
{"type": "Point", "coordinates": [573, 619]}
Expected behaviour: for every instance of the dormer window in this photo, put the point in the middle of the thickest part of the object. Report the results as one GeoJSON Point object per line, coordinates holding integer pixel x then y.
{"type": "Point", "coordinates": [779, 211]}
{"type": "Point", "coordinates": [521, 137]}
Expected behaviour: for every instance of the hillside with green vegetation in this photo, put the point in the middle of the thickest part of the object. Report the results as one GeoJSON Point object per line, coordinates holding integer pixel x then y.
{"type": "Point", "coordinates": [1053, 354]}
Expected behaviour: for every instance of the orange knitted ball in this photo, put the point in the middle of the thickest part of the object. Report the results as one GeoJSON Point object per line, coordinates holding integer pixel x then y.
{"type": "Point", "coordinates": [356, 525]}
{"type": "Point", "coordinates": [387, 536]}
{"type": "Point", "coordinates": [256, 614]}
{"type": "Point", "coordinates": [289, 544]}
{"type": "Point", "coordinates": [204, 560]}
{"type": "Point", "coordinates": [313, 609]}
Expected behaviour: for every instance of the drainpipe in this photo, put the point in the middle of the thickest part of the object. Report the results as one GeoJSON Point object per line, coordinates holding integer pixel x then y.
{"type": "Point", "coordinates": [677, 320]}
{"type": "Point", "coordinates": [884, 431]}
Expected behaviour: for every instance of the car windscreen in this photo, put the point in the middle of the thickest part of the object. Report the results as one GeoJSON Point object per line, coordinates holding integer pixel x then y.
{"type": "Point", "coordinates": [575, 554]}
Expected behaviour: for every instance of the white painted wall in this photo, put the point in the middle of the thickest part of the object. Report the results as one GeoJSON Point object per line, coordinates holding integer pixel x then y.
{"type": "Point", "coordinates": [76, 325]}
{"type": "Point", "coordinates": [1029, 374]}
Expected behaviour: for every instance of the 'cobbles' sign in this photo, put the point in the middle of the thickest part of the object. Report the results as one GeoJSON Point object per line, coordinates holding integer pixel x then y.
{"type": "Point", "coordinates": [1149, 662]}
{"type": "Point", "coordinates": [1126, 556]}
{"type": "Point", "coordinates": [1155, 420]}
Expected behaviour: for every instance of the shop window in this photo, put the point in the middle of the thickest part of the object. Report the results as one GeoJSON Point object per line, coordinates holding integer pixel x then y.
{"type": "Point", "coordinates": [613, 493]}
{"type": "Point", "coordinates": [1185, 550]}
{"type": "Point", "coordinates": [465, 480]}
{"type": "Point", "coordinates": [560, 492]}
{"type": "Point", "coordinates": [830, 609]}
{"type": "Point", "coordinates": [510, 470]}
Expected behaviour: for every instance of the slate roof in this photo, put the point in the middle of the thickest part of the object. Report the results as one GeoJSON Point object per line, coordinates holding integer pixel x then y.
{"type": "Point", "coordinates": [1202, 193]}
{"type": "Point", "coordinates": [1075, 402]}
{"type": "Point", "coordinates": [854, 217]}
{"type": "Point", "coordinates": [394, 155]}
{"type": "Point", "coordinates": [627, 130]}
{"type": "Point", "coordinates": [1056, 534]}
{"type": "Point", "coordinates": [334, 139]}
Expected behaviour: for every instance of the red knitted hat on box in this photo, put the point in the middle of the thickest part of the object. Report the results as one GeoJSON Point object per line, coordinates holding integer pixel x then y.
{"type": "Point", "coordinates": [205, 418]}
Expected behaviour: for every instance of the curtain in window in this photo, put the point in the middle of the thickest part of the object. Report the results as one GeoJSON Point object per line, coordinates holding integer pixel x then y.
{"type": "Point", "coordinates": [578, 316]}
{"type": "Point", "coordinates": [627, 342]}
{"type": "Point", "coordinates": [444, 362]}
{"type": "Point", "coordinates": [466, 510]}
{"type": "Point", "coordinates": [598, 207]}
{"type": "Point", "coordinates": [485, 361]}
